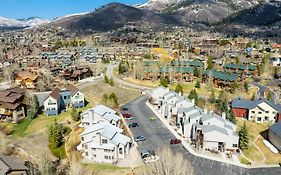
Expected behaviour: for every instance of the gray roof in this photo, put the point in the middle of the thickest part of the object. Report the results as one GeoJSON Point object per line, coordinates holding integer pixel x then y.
{"type": "Point", "coordinates": [210, 128]}
{"type": "Point", "coordinates": [120, 139]}
{"type": "Point", "coordinates": [93, 128]}
{"type": "Point", "coordinates": [250, 104]}
{"type": "Point", "coordinates": [12, 163]}
{"type": "Point", "coordinates": [101, 110]}
{"type": "Point", "coordinates": [276, 128]}
{"type": "Point", "coordinates": [184, 109]}
{"type": "Point", "coordinates": [210, 116]}
{"type": "Point", "coordinates": [111, 116]}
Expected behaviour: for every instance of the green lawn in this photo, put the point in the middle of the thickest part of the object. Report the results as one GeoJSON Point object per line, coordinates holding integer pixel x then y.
{"type": "Point", "coordinates": [243, 160]}
{"type": "Point", "coordinates": [253, 153]}
{"type": "Point", "coordinates": [20, 128]}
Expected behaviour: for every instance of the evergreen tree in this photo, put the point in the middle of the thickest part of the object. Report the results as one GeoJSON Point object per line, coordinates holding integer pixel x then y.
{"type": "Point", "coordinates": [231, 116]}
{"type": "Point", "coordinates": [197, 84]}
{"type": "Point", "coordinates": [196, 72]}
{"type": "Point", "coordinates": [106, 80]}
{"type": "Point", "coordinates": [74, 114]}
{"type": "Point", "coordinates": [111, 82]}
{"type": "Point", "coordinates": [212, 97]}
{"type": "Point", "coordinates": [104, 99]}
{"type": "Point", "coordinates": [114, 99]}
{"type": "Point", "coordinates": [55, 135]}
{"type": "Point", "coordinates": [246, 86]}
{"type": "Point", "coordinates": [193, 95]}
{"type": "Point", "coordinates": [34, 107]}
{"type": "Point", "coordinates": [275, 72]}
{"type": "Point", "coordinates": [243, 137]}
{"type": "Point", "coordinates": [210, 63]}
{"type": "Point", "coordinates": [179, 89]}
{"type": "Point", "coordinates": [164, 82]}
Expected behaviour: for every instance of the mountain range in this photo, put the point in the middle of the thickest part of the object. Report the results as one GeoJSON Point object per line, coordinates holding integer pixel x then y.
{"type": "Point", "coordinates": [198, 14]}
{"type": "Point", "coordinates": [8, 23]}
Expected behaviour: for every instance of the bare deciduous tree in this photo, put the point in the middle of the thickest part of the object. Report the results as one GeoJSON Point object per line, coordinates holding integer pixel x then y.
{"type": "Point", "coordinates": [170, 163]}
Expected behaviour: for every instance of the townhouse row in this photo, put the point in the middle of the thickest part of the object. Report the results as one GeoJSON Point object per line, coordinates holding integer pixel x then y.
{"type": "Point", "coordinates": [204, 129]}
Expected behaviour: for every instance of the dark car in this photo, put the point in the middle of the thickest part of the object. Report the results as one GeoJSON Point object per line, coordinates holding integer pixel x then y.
{"type": "Point", "coordinates": [124, 109]}
{"type": "Point", "coordinates": [140, 138]}
{"type": "Point", "coordinates": [133, 125]}
{"type": "Point", "coordinates": [175, 141]}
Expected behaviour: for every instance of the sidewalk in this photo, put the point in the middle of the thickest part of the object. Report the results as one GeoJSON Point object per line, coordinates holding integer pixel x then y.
{"type": "Point", "coordinates": [189, 148]}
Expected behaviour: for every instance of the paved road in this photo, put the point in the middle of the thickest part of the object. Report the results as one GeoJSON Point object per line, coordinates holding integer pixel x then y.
{"type": "Point", "coordinates": [158, 136]}
{"type": "Point", "coordinates": [263, 89]}
{"type": "Point", "coordinates": [109, 73]}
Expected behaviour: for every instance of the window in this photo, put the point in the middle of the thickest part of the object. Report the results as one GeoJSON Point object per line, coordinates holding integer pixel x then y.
{"type": "Point", "coordinates": [260, 112]}
{"type": "Point", "coordinates": [273, 112]}
{"type": "Point", "coordinates": [234, 145]}
{"type": "Point", "coordinates": [266, 118]}
{"type": "Point", "coordinates": [259, 119]}
{"type": "Point", "coordinates": [94, 149]}
{"type": "Point", "coordinates": [107, 157]}
{"type": "Point", "coordinates": [65, 97]}
{"type": "Point", "coordinates": [86, 153]}
{"type": "Point", "coordinates": [53, 109]}
{"type": "Point", "coordinates": [253, 112]}
{"type": "Point", "coordinates": [112, 157]}
{"type": "Point", "coordinates": [104, 141]}
{"type": "Point", "coordinates": [120, 151]}
{"type": "Point", "coordinates": [267, 112]}
{"type": "Point", "coordinates": [82, 138]}
{"type": "Point", "coordinates": [95, 155]}
{"type": "Point", "coordinates": [86, 146]}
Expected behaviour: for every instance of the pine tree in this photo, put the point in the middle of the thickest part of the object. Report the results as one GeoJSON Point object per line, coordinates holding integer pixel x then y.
{"type": "Point", "coordinates": [212, 97]}
{"type": "Point", "coordinates": [243, 137]}
{"type": "Point", "coordinates": [269, 96]}
{"type": "Point", "coordinates": [34, 107]}
{"type": "Point", "coordinates": [106, 80]}
{"type": "Point", "coordinates": [210, 63]}
{"type": "Point", "coordinates": [74, 114]}
{"type": "Point", "coordinates": [164, 82]}
{"type": "Point", "coordinates": [193, 95]}
{"type": "Point", "coordinates": [197, 84]}
{"type": "Point", "coordinates": [114, 99]}
{"type": "Point", "coordinates": [231, 116]}
{"type": "Point", "coordinates": [104, 99]}
{"type": "Point", "coordinates": [179, 89]}
{"type": "Point", "coordinates": [111, 82]}
{"type": "Point", "coordinates": [196, 72]}
{"type": "Point", "coordinates": [246, 86]}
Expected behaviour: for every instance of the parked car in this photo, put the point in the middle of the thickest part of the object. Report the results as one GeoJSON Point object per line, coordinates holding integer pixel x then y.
{"type": "Point", "coordinates": [124, 109]}
{"type": "Point", "coordinates": [175, 141]}
{"type": "Point", "coordinates": [140, 138]}
{"type": "Point", "coordinates": [127, 115]}
{"type": "Point", "coordinates": [152, 118]}
{"type": "Point", "coordinates": [149, 156]}
{"type": "Point", "coordinates": [133, 125]}
{"type": "Point", "coordinates": [128, 118]}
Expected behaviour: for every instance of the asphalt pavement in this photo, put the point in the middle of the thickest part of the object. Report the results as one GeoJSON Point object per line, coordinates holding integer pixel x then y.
{"type": "Point", "coordinates": [158, 137]}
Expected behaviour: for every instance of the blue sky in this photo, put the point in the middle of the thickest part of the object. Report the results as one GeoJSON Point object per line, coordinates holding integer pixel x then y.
{"type": "Point", "coordinates": [50, 9]}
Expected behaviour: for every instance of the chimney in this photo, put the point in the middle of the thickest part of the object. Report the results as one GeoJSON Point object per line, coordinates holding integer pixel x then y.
{"type": "Point", "coordinates": [223, 115]}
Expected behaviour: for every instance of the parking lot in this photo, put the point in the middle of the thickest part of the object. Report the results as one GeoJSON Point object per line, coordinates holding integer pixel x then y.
{"type": "Point", "coordinates": [158, 136]}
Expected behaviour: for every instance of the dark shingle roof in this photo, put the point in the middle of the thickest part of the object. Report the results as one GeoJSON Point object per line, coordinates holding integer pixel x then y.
{"type": "Point", "coordinates": [13, 163]}
{"type": "Point", "coordinates": [55, 93]}
{"type": "Point", "coordinates": [73, 89]}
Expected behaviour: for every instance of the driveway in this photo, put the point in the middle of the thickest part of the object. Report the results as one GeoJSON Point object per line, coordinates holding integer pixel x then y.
{"type": "Point", "coordinates": [158, 136]}
{"type": "Point", "coordinates": [263, 89]}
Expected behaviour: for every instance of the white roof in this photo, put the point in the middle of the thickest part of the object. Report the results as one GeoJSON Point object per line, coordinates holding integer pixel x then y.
{"type": "Point", "coordinates": [111, 116]}
{"type": "Point", "coordinates": [101, 110]}
{"type": "Point", "coordinates": [93, 128]}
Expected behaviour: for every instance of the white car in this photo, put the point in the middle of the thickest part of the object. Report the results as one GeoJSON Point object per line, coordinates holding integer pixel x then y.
{"type": "Point", "coordinates": [150, 159]}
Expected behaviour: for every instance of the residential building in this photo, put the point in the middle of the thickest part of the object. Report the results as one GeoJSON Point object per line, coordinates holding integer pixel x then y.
{"type": "Point", "coordinates": [99, 113]}
{"type": "Point", "coordinates": [102, 140]}
{"type": "Point", "coordinates": [259, 110]}
{"type": "Point", "coordinates": [10, 165]}
{"type": "Point", "coordinates": [59, 100]}
{"type": "Point", "coordinates": [12, 106]}
{"type": "Point", "coordinates": [274, 135]}
{"type": "Point", "coordinates": [26, 79]}
{"type": "Point", "coordinates": [104, 143]}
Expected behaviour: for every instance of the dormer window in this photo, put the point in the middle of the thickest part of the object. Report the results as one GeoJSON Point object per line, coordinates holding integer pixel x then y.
{"type": "Point", "coordinates": [104, 141]}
